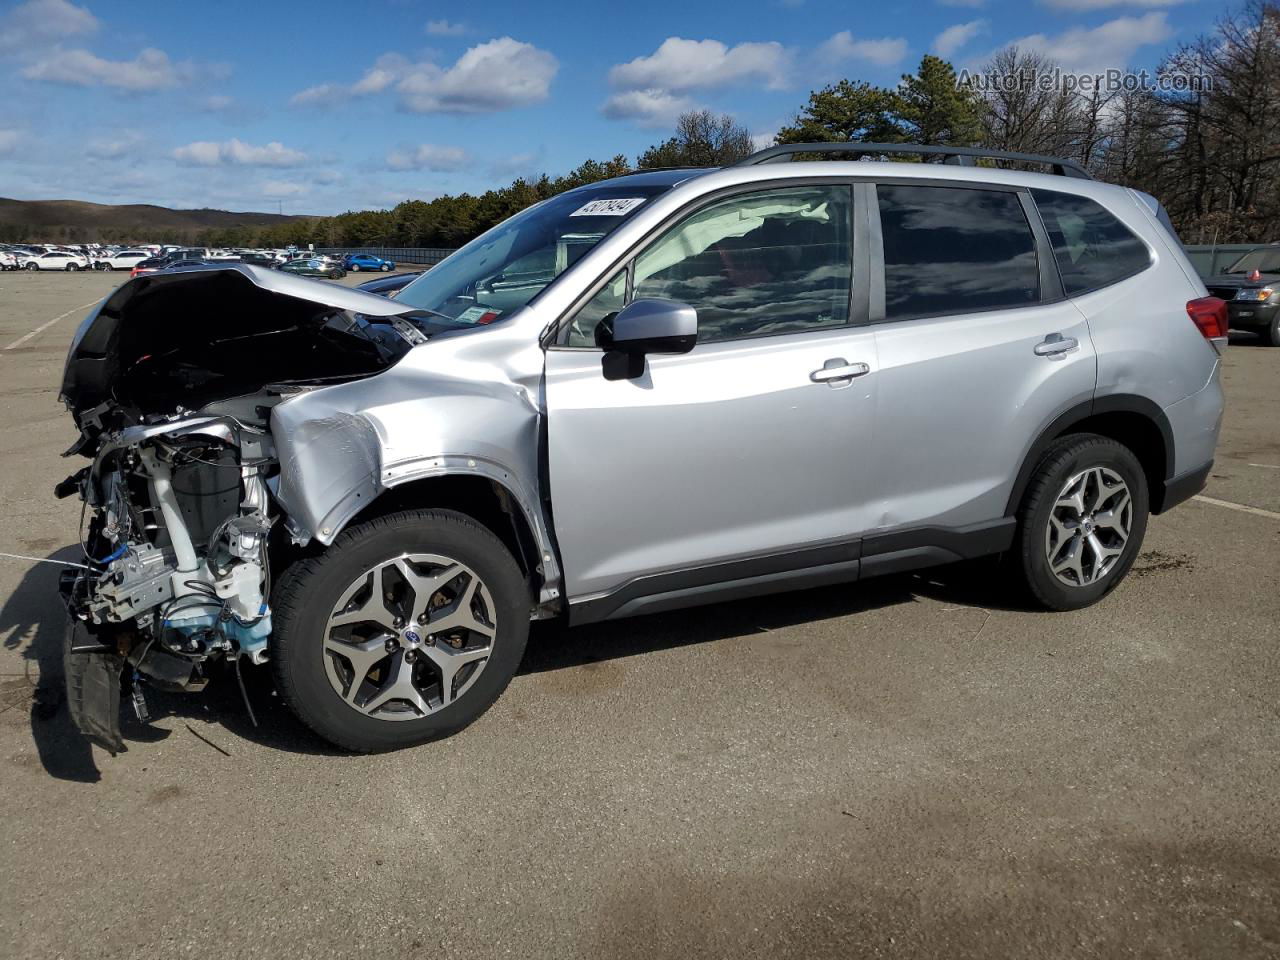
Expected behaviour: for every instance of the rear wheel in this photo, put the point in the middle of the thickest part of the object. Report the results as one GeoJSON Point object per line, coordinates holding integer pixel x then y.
{"type": "Point", "coordinates": [385, 268]}
{"type": "Point", "coordinates": [33, 266]}
{"type": "Point", "coordinates": [355, 268]}
{"type": "Point", "coordinates": [1082, 521]}
{"type": "Point", "coordinates": [72, 267]}
{"type": "Point", "coordinates": [406, 630]}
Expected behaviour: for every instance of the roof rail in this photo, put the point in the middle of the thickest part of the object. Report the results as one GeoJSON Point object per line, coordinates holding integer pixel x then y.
{"type": "Point", "coordinates": [961, 156]}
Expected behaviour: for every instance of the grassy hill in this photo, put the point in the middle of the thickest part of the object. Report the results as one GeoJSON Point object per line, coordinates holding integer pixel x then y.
{"type": "Point", "coordinates": [75, 221]}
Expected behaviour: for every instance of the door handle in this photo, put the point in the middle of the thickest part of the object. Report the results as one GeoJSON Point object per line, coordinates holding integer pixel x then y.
{"type": "Point", "coordinates": [1055, 345]}
{"type": "Point", "coordinates": [838, 370]}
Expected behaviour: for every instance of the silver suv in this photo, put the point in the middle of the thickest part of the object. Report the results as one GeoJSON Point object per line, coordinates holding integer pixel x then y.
{"type": "Point", "coordinates": [666, 389]}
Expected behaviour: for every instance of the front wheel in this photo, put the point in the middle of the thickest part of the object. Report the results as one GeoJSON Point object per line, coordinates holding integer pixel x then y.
{"type": "Point", "coordinates": [355, 268]}
{"type": "Point", "coordinates": [1082, 521]}
{"type": "Point", "coordinates": [406, 630]}
{"type": "Point", "coordinates": [33, 266]}
{"type": "Point", "coordinates": [385, 268]}
{"type": "Point", "coordinates": [1271, 335]}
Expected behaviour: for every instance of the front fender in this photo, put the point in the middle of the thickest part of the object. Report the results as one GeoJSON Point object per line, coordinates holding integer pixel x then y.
{"type": "Point", "coordinates": [342, 446]}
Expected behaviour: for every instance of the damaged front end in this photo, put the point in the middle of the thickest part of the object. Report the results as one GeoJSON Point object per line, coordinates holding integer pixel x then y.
{"type": "Point", "coordinates": [172, 382]}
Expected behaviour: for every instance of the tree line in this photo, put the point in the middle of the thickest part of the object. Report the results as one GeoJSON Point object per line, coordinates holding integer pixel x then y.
{"type": "Point", "coordinates": [1210, 154]}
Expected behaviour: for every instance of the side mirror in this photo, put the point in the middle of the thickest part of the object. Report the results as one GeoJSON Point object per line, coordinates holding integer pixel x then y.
{"type": "Point", "coordinates": [644, 326]}
{"type": "Point", "coordinates": [650, 326]}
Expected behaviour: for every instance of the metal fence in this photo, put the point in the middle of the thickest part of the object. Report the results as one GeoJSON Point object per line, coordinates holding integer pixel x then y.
{"type": "Point", "coordinates": [428, 256]}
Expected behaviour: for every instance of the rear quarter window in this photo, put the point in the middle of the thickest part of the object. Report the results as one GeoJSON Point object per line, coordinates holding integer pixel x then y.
{"type": "Point", "coordinates": [1093, 248]}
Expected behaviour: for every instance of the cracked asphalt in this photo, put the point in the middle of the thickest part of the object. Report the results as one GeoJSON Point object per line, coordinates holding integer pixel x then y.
{"type": "Point", "coordinates": [906, 767]}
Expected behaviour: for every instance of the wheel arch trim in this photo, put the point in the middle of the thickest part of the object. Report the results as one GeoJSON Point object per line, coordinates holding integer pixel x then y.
{"type": "Point", "coordinates": [1121, 403]}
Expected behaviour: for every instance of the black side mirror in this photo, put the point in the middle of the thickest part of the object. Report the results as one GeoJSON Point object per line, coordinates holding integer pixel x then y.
{"type": "Point", "coordinates": [645, 326]}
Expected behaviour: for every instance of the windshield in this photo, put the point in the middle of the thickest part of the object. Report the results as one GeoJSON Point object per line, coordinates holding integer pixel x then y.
{"type": "Point", "coordinates": [503, 269]}
{"type": "Point", "coordinates": [1266, 260]}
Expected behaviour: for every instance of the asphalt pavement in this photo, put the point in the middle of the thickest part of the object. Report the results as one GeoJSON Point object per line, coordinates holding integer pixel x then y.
{"type": "Point", "coordinates": [906, 767]}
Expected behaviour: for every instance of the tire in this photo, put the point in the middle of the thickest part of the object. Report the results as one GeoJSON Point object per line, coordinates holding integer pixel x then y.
{"type": "Point", "coordinates": [1271, 334]}
{"type": "Point", "coordinates": [385, 268]}
{"type": "Point", "coordinates": [72, 268]}
{"type": "Point", "coordinates": [1093, 458]}
{"type": "Point", "coordinates": [33, 266]}
{"type": "Point", "coordinates": [355, 268]}
{"type": "Point", "coordinates": [334, 275]}
{"type": "Point", "coordinates": [305, 601]}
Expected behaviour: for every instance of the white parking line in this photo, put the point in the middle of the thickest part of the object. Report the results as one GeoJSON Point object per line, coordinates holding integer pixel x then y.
{"type": "Point", "coordinates": [47, 324]}
{"type": "Point", "coordinates": [1243, 508]}
{"type": "Point", "coordinates": [1269, 466]}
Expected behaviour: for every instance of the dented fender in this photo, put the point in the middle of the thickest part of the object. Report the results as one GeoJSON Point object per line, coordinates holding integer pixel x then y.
{"type": "Point", "coordinates": [466, 404]}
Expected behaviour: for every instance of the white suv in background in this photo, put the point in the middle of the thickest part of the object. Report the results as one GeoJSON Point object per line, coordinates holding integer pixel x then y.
{"type": "Point", "coordinates": [56, 260]}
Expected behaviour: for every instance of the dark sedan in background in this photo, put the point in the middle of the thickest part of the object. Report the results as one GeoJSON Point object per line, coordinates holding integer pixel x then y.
{"type": "Point", "coordinates": [389, 286]}
{"type": "Point", "coordinates": [314, 267]}
{"type": "Point", "coordinates": [1251, 287]}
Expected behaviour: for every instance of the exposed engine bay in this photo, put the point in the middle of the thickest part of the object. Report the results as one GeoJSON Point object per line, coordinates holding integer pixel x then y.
{"type": "Point", "coordinates": [174, 411]}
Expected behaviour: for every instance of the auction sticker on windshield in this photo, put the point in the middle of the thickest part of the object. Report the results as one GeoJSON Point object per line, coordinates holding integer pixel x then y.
{"type": "Point", "coordinates": [608, 208]}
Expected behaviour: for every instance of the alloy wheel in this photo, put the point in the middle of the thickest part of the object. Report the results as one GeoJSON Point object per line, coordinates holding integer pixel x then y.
{"type": "Point", "coordinates": [409, 637]}
{"type": "Point", "coordinates": [1089, 526]}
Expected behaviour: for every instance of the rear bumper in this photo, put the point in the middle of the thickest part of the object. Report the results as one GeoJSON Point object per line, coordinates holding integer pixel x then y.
{"type": "Point", "coordinates": [1180, 488]}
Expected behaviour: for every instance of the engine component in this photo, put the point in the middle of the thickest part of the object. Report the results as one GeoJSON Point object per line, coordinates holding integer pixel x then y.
{"type": "Point", "coordinates": [133, 584]}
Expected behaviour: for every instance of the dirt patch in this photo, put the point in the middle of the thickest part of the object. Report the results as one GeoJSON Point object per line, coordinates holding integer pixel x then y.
{"type": "Point", "coordinates": [1157, 562]}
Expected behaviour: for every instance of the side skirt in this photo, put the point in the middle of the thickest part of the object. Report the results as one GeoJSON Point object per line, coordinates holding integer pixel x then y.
{"type": "Point", "coordinates": [840, 562]}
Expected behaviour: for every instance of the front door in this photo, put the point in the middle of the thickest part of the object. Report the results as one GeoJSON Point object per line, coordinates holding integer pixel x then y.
{"type": "Point", "coordinates": [752, 445]}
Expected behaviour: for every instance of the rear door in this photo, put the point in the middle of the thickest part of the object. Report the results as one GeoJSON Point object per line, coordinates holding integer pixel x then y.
{"type": "Point", "coordinates": [978, 352]}
{"type": "Point", "coordinates": [749, 446]}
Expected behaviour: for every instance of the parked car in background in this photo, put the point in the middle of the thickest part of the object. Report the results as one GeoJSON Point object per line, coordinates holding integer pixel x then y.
{"type": "Point", "coordinates": [1211, 259]}
{"type": "Point", "coordinates": [8, 260]}
{"type": "Point", "coordinates": [150, 265]}
{"type": "Point", "coordinates": [389, 286]}
{"type": "Point", "coordinates": [182, 264]}
{"type": "Point", "coordinates": [314, 267]}
{"type": "Point", "coordinates": [121, 260]}
{"type": "Point", "coordinates": [1251, 287]}
{"type": "Point", "coordinates": [355, 262]}
{"type": "Point", "coordinates": [56, 260]}
{"type": "Point", "coordinates": [259, 260]}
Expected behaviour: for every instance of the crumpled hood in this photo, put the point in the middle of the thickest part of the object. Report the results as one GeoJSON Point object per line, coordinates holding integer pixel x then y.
{"type": "Point", "coordinates": [231, 300]}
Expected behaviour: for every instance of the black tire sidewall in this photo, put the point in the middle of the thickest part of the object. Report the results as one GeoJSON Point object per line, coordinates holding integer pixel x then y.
{"type": "Point", "coordinates": [1065, 461]}
{"type": "Point", "coordinates": [1271, 335]}
{"type": "Point", "coordinates": [315, 586]}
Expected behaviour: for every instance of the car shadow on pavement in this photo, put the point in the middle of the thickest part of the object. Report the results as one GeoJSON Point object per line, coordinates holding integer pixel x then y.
{"type": "Point", "coordinates": [33, 622]}
{"type": "Point", "coordinates": [976, 583]}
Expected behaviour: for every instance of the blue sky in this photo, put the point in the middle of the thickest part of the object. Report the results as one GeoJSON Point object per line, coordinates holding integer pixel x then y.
{"type": "Point", "coordinates": [320, 107]}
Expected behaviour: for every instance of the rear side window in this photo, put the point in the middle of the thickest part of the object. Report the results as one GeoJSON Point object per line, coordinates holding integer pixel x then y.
{"type": "Point", "coordinates": [1093, 248]}
{"type": "Point", "coordinates": [955, 250]}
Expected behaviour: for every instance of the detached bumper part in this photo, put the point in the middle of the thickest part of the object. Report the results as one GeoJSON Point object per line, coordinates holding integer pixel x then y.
{"type": "Point", "coordinates": [93, 687]}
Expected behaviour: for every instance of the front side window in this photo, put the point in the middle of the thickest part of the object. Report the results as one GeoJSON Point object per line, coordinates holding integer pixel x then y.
{"type": "Point", "coordinates": [1093, 248]}
{"type": "Point", "coordinates": [778, 261]}
{"type": "Point", "coordinates": [955, 250]}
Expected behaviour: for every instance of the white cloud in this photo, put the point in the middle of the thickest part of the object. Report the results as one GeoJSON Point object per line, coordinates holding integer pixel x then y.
{"type": "Point", "coordinates": [680, 65]}
{"type": "Point", "coordinates": [883, 51]}
{"type": "Point", "coordinates": [320, 93]}
{"type": "Point", "coordinates": [428, 156]}
{"type": "Point", "coordinates": [10, 140]}
{"type": "Point", "coordinates": [1112, 44]}
{"type": "Point", "coordinates": [760, 141]}
{"type": "Point", "coordinates": [217, 103]}
{"type": "Point", "coordinates": [496, 75]}
{"type": "Point", "coordinates": [445, 28]}
{"type": "Point", "coordinates": [39, 23]}
{"type": "Point", "coordinates": [234, 152]}
{"type": "Point", "coordinates": [954, 37]}
{"type": "Point", "coordinates": [282, 188]}
{"type": "Point", "coordinates": [649, 108]}
{"type": "Point", "coordinates": [1080, 6]}
{"type": "Point", "coordinates": [149, 70]}
{"type": "Point", "coordinates": [115, 147]}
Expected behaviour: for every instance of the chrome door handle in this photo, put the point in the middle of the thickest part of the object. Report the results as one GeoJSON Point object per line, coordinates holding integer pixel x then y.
{"type": "Point", "coordinates": [1055, 344]}
{"type": "Point", "coordinates": [837, 369]}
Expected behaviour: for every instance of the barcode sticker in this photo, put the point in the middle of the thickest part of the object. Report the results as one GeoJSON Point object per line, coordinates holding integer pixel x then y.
{"type": "Point", "coordinates": [608, 208]}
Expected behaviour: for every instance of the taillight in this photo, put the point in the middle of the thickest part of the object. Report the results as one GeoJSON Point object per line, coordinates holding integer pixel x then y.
{"type": "Point", "coordinates": [1209, 314]}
